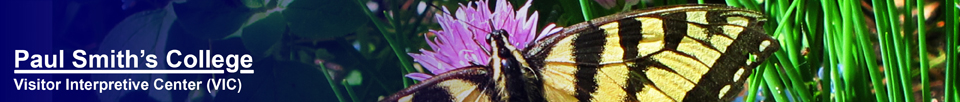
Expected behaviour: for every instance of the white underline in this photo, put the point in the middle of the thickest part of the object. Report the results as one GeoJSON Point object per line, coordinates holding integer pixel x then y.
{"type": "Point", "coordinates": [125, 71]}
{"type": "Point", "coordinates": [246, 71]}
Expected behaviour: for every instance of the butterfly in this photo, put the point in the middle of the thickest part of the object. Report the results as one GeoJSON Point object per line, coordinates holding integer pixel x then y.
{"type": "Point", "coordinates": [697, 52]}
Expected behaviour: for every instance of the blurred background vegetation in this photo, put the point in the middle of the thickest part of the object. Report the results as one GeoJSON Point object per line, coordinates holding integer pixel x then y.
{"type": "Point", "coordinates": [356, 50]}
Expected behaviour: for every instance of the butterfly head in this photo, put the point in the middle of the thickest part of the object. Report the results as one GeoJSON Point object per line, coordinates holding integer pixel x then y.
{"type": "Point", "coordinates": [497, 39]}
{"type": "Point", "coordinates": [511, 69]}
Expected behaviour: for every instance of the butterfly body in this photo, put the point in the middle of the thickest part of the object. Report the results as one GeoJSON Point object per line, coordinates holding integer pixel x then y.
{"type": "Point", "coordinates": [675, 53]}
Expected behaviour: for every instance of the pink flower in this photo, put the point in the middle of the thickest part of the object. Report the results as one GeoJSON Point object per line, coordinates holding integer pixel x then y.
{"type": "Point", "coordinates": [462, 41]}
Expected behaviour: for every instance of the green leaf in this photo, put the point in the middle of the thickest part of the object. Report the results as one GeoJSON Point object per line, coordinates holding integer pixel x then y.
{"type": "Point", "coordinates": [145, 30]}
{"type": "Point", "coordinates": [322, 53]}
{"type": "Point", "coordinates": [254, 3]}
{"type": "Point", "coordinates": [285, 3]}
{"type": "Point", "coordinates": [354, 78]}
{"type": "Point", "coordinates": [324, 18]}
{"type": "Point", "coordinates": [211, 18]}
{"type": "Point", "coordinates": [305, 56]}
{"type": "Point", "coordinates": [261, 35]}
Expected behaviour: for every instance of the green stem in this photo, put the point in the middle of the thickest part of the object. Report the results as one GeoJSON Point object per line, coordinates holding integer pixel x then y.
{"type": "Point", "coordinates": [735, 3]}
{"type": "Point", "coordinates": [837, 60]}
{"type": "Point", "coordinates": [773, 84]}
{"type": "Point", "coordinates": [814, 35]}
{"type": "Point", "coordinates": [876, 77]}
{"type": "Point", "coordinates": [950, 95]}
{"type": "Point", "coordinates": [787, 40]}
{"type": "Point", "coordinates": [798, 88]}
{"type": "Point", "coordinates": [848, 52]}
{"type": "Point", "coordinates": [893, 80]}
{"type": "Point", "coordinates": [350, 91]}
{"type": "Point", "coordinates": [390, 39]}
{"type": "Point", "coordinates": [643, 4]}
{"type": "Point", "coordinates": [922, 44]}
{"type": "Point", "coordinates": [884, 30]}
{"type": "Point", "coordinates": [834, 53]}
{"type": "Point", "coordinates": [900, 53]}
{"type": "Point", "coordinates": [330, 81]}
{"type": "Point", "coordinates": [755, 82]}
{"type": "Point", "coordinates": [585, 8]}
{"type": "Point", "coordinates": [780, 4]}
{"type": "Point", "coordinates": [831, 50]}
{"type": "Point", "coordinates": [950, 92]}
{"type": "Point", "coordinates": [790, 59]}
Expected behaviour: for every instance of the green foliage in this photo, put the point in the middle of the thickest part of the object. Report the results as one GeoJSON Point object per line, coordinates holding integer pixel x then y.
{"type": "Point", "coordinates": [324, 18]}
{"type": "Point", "coordinates": [353, 78]}
{"type": "Point", "coordinates": [261, 35]}
{"type": "Point", "coordinates": [835, 36]}
{"type": "Point", "coordinates": [560, 12]}
{"type": "Point", "coordinates": [254, 3]}
{"type": "Point", "coordinates": [210, 18]}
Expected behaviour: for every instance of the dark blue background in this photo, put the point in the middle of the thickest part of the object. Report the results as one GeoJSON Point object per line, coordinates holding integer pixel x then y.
{"type": "Point", "coordinates": [45, 26]}
{"type": "Point", "coordinates": [27, 24]}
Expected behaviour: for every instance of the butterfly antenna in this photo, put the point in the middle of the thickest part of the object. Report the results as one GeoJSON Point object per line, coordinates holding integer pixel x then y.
{"type": "Point", "coordinates": [474, 37]}
{"type": "Point", "coordinates": [485, 50]}
{"type": "Point", "coordinates": [439, 9]}
{"type": "Point", "coordinates": [490, 22]}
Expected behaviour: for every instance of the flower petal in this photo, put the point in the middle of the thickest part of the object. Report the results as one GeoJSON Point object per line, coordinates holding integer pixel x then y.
{"type": "Point", "coordinates": [549, 30]}
{"type": "Point", "coordinates": [462, 42]}
{"type": "Point", "coordinates": [418, 76]}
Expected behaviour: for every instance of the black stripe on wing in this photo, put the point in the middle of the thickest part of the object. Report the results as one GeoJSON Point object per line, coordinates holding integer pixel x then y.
{"type": "Point", "coordinates": [586, 49]}
{"type": "Point", "coordinates": [675, 28]}
{"type": "Point", "coordinates": [430, 91]}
